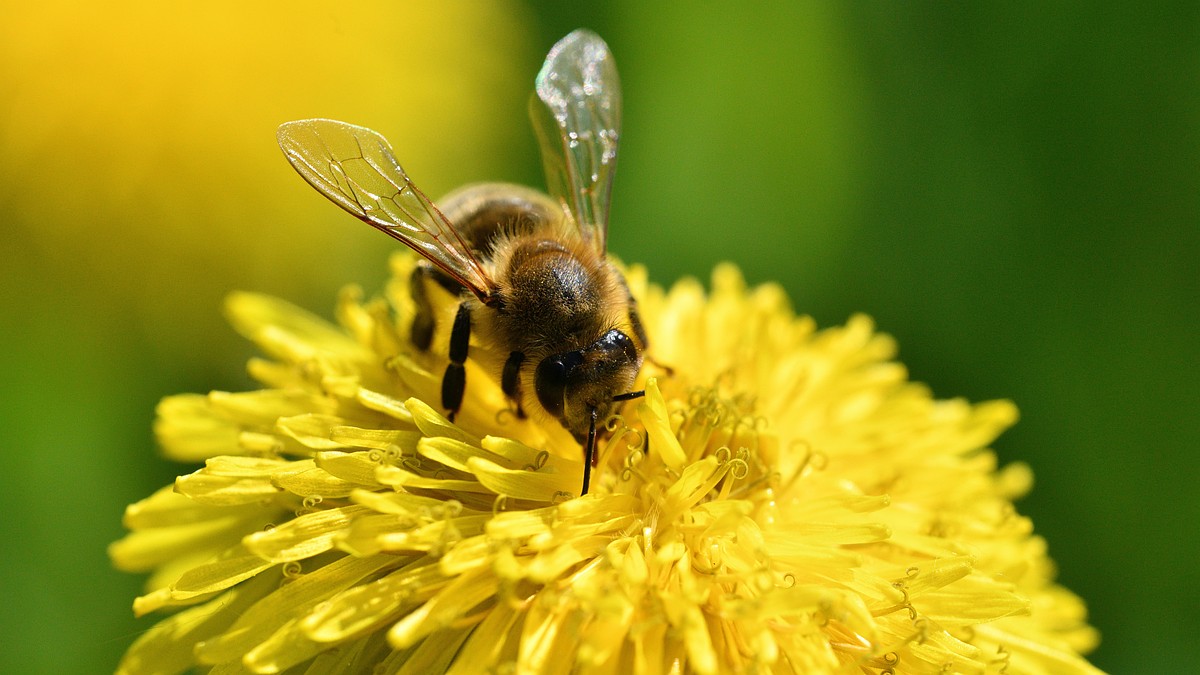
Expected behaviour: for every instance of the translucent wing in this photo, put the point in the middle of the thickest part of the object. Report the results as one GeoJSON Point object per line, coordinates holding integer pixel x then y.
{"type": "Point", "coordinates": [355, 168]}
{"type": "Point", "coordinates": [577, 115]}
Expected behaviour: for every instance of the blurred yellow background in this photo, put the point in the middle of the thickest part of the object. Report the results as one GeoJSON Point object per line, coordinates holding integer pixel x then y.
{"type": "Point", "coordinates": [1014, 194]}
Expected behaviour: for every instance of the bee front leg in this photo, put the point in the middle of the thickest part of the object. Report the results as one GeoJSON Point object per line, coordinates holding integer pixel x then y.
{"type": "Point", "coordinates": [639, 331]}
{"type": "Point", "coordinates": [510, 381]}
{"type": "Point", "coordinates": [454, 382]}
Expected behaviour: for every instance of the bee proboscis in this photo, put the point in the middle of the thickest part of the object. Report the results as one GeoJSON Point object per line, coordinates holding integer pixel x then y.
{"type": "Point", "coordinates": [531, 269]}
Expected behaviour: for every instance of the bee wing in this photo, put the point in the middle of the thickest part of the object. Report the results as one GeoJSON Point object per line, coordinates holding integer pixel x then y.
{"type": "Point", "coordinates": [577, 116]}
{"type": "Point", "coordinates": [355, 168]}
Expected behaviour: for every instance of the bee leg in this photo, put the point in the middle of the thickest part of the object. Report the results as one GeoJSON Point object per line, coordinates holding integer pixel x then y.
{"type": "Point", "coordinates": [510, 383]}
{"type": "Point", "coordinates": [454, 382]}
{"type": "Point", "coordinates": [422, 325]}
{"type": "Point", "coordinates": [423, 321]}
{"type": "Point", "coordinates": [639, 332]}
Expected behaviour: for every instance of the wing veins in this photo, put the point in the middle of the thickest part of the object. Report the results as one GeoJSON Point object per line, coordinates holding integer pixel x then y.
{"type": "Point", "coordinates": [361, 189]}
{"type": "Point", "coordinates": [397, 226]}
{"type": "Point", "coordinates": [435, 215]}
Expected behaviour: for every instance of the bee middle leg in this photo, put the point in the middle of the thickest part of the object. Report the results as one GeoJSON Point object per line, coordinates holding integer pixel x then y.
{"type": "Point", "coordinates": [423, 319]}
{"type": "Point", "coordinates": [454, 382]}
{"type": "Point", "coordinates": [510, 382]}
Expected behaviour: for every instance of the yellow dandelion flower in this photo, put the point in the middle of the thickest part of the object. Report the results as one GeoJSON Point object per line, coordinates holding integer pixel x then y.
{"type": "Point", "coordinates": [782, 500]}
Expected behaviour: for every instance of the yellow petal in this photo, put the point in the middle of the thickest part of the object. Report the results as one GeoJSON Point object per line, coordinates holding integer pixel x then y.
{"type": "Point", "coordinates": [653, 413]}
{"type": "Point", "coordinates": [452, 602]}
{"type": "Point", "coordinates": [285, 330]}
{"type": "Point", "coordinates": [287, 603]}
{"type": "Point", "coordinates": [304, 536]}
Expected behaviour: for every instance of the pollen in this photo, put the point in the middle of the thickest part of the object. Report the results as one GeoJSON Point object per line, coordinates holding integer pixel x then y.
{"type": "Point", "coordinates": [782, 499]}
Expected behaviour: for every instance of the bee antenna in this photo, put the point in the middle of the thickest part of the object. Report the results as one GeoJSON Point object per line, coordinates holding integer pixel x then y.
{"type": "Point", "coordinates": [629, 396]}
{"type": "Point", "coordinates": [589, 451]}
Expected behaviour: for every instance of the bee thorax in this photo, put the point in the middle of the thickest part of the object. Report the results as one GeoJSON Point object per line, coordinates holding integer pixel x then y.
{"type": "Point", "coordinates": [552, 297]}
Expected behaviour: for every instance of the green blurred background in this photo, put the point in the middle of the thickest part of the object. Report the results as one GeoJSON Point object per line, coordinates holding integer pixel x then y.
{"type": "Point", "coordinates": [1013, 192]}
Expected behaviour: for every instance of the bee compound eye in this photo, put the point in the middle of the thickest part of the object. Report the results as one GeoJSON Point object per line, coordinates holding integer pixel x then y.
{"type": "Point", "coordinates": [618, 344]}
{"type": "Point", "coordinates": [551, 378]}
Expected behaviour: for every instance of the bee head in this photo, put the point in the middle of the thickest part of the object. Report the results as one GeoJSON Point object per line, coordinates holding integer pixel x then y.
{"type": "Point", "coordinates": [579, 386]}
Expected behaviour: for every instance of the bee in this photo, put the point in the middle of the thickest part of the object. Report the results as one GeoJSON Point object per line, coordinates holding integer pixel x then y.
{"type": "Point", "coordinates": [531, 269]}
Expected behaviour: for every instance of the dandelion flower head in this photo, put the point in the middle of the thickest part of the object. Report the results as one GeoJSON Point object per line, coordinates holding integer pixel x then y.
{"type": "Point", "coordinates": [782, 500]}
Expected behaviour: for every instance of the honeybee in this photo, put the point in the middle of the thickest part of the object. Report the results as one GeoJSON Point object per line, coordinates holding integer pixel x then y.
{"type": "Point", "coordinates": [531, 269]}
